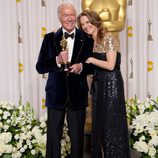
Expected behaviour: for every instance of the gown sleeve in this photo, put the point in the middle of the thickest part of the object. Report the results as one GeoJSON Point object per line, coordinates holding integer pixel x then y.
{"type": "Point", "coordinates": [111, 42]}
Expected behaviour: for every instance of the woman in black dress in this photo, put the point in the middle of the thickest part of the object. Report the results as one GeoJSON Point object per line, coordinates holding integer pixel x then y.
{"type": "Point", "coordinates": [109, 122]}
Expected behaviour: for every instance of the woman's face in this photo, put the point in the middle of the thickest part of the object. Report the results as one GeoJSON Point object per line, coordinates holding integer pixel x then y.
{"type": "Point", "coordinates": [87, 27]}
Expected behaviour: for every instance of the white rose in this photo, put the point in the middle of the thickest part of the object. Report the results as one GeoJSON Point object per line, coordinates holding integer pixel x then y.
{"type": "Point", "coordinates": [154, 141]}
{"type": "Point", "coordinates": [5, 137]}
{"type": "Point", "coordinates": [33, 152]}
{"type": "Point", "coordinates": [1, 125]}
{"type": "Point", "coordinates": [19, 145]}
{"type": "Point", "coordinates": [16, 155]}
{"type": "Point", "coordinates": [1, 111]}
{"type": "Point", "coordinates": [25, 146]}
{"type": "Point", "coordinates": [16, 136]}
{"type": "Point", "coordinates": [142, 138]}
{"type": "Point", "coordinates": [8, 148]}
{"type": "Point", "coordinates": [43, 124]}
{"type": "Point", "coordinates": [152, 151]}
{"type": "Point", "coordinates": [5, 127]}
{"type": "Point", "coordinates": [5, 115]}
{"type": "Point", "coordinates": [22, 150]}
{"type": "Point", "coordinates": [141, 146]}
{"type": "Point", "coordinates": [2, 147]}
{"type": "Point", "coordinates": [8, 121]}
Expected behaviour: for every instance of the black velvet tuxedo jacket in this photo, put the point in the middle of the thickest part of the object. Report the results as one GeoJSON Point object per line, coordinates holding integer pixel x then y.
{"type": "Point", "coordinates": [62, 89]}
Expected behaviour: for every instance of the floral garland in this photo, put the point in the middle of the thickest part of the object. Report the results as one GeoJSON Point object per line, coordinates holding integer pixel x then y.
{"type": "Point", "coordinates": [143, 125]}
{"type": "Point", "coordinates": [24, 136]}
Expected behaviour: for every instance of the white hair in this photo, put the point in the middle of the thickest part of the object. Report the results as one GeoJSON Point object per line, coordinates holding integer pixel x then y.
{"type": "Point", "coordinates": [60, 7]}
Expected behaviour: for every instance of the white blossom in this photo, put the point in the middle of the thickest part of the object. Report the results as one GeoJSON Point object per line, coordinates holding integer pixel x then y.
{"type": "Point", "coordinates": [152, 152]}
{"type": "Point", "coordinates": [143, 126]}
{"type": "Point", "coordinates": [20, 131]}
{"type": "Point", "coordinates": [141, 146]}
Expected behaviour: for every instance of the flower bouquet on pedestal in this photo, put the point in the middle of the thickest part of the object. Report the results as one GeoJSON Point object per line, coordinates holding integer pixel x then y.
{"type": "Point", "coordinates": [24, 136]}
{"type": "Point", "coordinates": [143, 126]}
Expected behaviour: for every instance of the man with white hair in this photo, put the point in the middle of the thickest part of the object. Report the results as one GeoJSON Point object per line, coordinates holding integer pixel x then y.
{"type": "Point", "coordinates": [66, 91]}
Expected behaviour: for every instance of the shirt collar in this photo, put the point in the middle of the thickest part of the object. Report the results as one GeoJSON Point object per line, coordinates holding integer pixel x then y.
{"type": "Point", "coordinates": [73, 31]}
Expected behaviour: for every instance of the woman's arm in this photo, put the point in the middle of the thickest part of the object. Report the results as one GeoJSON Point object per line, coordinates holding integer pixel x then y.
{"type": "Point", "coordinates": [109, 64]}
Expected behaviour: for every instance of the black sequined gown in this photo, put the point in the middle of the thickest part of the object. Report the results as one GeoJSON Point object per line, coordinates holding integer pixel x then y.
{"type": "Point", "coordinates": [109, 124]}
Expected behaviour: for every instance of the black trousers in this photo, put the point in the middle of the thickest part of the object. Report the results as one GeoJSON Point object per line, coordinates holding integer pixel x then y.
{"type": "Point", "coordinates": [55, 122]}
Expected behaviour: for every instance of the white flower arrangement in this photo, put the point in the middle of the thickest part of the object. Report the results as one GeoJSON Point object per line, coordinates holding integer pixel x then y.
{"type": "Point", "coordinates": [24, 136]}
{"type": "Point", "coordinates": [143, 125]}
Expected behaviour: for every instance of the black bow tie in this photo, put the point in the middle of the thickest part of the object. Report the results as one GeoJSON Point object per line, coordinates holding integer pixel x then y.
{"type": "Point", "coordinates": [69, 35]}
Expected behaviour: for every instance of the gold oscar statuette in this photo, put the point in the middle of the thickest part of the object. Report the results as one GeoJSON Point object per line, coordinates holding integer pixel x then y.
{"type": "Point", "coordinates": [112, 12]}
{"type": "Point", "coordinates": [65, 65]}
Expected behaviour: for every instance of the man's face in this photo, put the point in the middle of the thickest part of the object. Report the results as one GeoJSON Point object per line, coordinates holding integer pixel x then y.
{"type": "Point", "coordinates": [68, 18]}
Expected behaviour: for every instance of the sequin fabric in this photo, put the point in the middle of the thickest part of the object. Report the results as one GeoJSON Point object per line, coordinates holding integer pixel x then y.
{"type": "Point", "coordinates": [109, 43]}
{"type": "Point", "coordinates": [109, 122]}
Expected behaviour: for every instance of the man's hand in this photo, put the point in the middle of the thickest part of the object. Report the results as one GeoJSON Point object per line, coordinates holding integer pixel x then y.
{"type": "Point", "coordinates": [76, 68]}
{"type": "Point", "coordinates": [62, 57]}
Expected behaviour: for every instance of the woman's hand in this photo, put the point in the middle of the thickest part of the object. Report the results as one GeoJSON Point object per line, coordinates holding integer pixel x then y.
{"type": "Point", "coordinates": [89, 60]}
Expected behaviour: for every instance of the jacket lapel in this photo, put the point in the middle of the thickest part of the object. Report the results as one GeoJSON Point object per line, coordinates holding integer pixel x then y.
{"type": "Point", "coordinates": [78, 44]}
{"type": "Point", "coordinates": [57, 38]}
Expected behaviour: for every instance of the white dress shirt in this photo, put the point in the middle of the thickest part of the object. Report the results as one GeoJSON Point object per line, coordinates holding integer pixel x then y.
{"type": "Point", "coordinates": [70, 44]}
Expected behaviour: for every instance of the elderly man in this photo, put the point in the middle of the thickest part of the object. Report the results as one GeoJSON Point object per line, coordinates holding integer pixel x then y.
{"type": "Point", "coordinates": [66, 91]}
